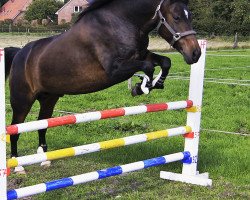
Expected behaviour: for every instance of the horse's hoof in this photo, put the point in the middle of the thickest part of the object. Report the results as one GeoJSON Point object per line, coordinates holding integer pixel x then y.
{"type": "Point", "coordinates": [133, 92]}
{"type": "Point", "coordinates": [46, 163]}
{"type": "Point", "coordinates": [136, 90]}
{"type": "Point", "coordinates": [159, 86]}
{"type": "Point", "coordinates": [19, 170]}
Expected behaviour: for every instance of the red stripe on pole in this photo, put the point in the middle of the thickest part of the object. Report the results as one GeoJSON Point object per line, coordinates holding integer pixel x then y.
{"type": "Point", "coordinates": [189, 103]}
{"type": "Point", "coordinates": [112, 113]}
{"type": "Point", "coordinates": [189, 135]}
{"type": "Point", "coordinates": [156, 107]}
{"type": "Point", "coordinates": [8, 171]}
{"type": "Point", "coordinates": [70, 119]}
{"type": "Point", "coordinates": [12, 129]}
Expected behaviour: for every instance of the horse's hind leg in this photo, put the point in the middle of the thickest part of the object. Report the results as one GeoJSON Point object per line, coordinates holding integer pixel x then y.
{"type": "Point", "coordinates": [21, 108]}
{"type": "Point", "coordinates": [21, 104]}
{"type": "Point", "coordinates": [47, 104]}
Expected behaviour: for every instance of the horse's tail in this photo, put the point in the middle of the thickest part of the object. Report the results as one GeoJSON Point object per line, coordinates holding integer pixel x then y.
{"type": "Point", "coordinates": [10, 53]}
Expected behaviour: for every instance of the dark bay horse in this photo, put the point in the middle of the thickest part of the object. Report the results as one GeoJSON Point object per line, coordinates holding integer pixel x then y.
{"type": "Point", "coordinates": [106, 46]}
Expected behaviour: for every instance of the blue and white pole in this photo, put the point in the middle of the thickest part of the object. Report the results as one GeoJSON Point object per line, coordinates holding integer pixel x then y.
{"type": "Point", "coordinates": [92, 176]}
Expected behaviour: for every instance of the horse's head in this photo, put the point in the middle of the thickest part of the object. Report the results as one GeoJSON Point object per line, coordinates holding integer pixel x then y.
{"type": "Point", "coordinates": [175, 27]}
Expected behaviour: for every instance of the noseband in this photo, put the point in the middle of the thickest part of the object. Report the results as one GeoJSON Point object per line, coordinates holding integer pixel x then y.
{"type": "Point", "coordinates": [176, 35]}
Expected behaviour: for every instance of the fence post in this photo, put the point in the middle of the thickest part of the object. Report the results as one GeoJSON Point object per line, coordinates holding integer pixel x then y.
{"type": "Point", "coordinates": [3, 169]}
{"type": "Point", "coordinates": [189, 170]}
{"type": "Point", "coordinates": [194, 117]}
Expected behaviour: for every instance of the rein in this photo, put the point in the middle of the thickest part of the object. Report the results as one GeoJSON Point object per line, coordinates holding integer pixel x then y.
{"type": "Point", "coordinates": [176, 35]}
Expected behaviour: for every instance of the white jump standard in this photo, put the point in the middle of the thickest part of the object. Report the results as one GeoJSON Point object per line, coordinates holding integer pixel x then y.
{"type": "Point", "coordinates": [189, 171]}
{"type": "Point", "coordinates": [189, 156]}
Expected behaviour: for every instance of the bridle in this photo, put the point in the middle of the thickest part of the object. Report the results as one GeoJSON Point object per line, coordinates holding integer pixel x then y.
{"type": "Point", "coordinates": [176, 35]}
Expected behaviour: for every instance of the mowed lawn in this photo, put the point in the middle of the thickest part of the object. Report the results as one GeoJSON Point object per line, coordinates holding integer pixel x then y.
{"type": "Point", "coordinates": [225, 156]}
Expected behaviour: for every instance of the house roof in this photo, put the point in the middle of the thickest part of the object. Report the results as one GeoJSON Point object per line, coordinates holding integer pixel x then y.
{"type": "Point", "coordinates": [12, 8]}
{"type": "Point", "coordinates": [65, 5]}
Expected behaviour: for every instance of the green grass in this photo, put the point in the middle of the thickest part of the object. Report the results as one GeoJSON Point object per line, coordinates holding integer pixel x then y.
{"type": "Point", "coordinates": [225, 157]}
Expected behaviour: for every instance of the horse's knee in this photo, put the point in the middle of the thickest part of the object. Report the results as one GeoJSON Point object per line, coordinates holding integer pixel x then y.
{"type": "Point", "coordinates": [148, 68]}
{"type": "Point", "coordinates": [166, 64]}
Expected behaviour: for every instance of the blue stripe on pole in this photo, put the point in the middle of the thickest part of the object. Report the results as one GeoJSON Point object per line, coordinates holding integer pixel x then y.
{"type": "Point", "coordinates": [154, 162]}
{"type": "Point", "coordinates": [186, 154]}
{"type": "Point", "coordinates": [187, 157]}
{"type": "Point", "coordinates": [109, 172]}
{"type": "Point", "coordinates": [57, 184]}
{"type": "Point", "coordinates": [11, 194]}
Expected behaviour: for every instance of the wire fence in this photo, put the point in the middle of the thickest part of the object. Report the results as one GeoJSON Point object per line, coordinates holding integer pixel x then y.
{"type": "Point", "coordinates": [55, 29]}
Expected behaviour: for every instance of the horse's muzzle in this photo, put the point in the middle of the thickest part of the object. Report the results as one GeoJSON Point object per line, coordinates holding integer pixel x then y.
{"type": "Point", "coordinates": [190, 49]}
{"type": "Point", "coordinates": [195, 56]}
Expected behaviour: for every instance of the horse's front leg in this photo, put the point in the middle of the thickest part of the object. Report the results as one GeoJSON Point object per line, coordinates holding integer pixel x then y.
{"type": "Point", "coordinates": [123, 68]}
{"type": "Point", "coordinates": [164, 63]}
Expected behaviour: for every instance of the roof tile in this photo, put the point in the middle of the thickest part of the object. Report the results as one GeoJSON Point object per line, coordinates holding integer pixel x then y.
{"type": "Point", "coordinates": [12, 8]}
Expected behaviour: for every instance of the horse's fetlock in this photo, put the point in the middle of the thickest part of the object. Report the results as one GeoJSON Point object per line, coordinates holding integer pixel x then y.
{"type": "Point", "coordinates": [149, 85]}
{"type": "Point", "coordinates": [44, 147]}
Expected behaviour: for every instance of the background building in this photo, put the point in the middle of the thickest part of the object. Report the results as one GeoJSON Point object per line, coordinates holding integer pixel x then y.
{"type": "Point", "coordinates": [72, 7]}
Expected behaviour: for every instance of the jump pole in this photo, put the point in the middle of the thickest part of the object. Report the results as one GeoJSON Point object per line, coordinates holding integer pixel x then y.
{"type": "Point", "coordinates": [95, 147]}
{"type": "Point", "coordinates": [94, 116]}
{"type": "Point", "coordinates": [95, 175]}
{"type": "Point", "coordinates": [189, 170]}
{"type": "Point", "coordinates": [3, 169]}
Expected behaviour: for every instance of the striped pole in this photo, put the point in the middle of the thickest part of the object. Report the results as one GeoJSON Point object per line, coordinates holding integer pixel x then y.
{"type": "Point", "coordinates": [92, 176]}
{"type": "Point", "coordinates": [90, 148]}
{"type": "Point", "coordinates": [94, 116]}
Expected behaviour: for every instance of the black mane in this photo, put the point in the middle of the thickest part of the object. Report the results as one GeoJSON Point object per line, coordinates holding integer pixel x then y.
{"type": "Point", "coordinates": [183, 1]}
{"type": "Point", "coordinates": [95, 4]}
{"type": "Point", "coordinates": [92, 5]}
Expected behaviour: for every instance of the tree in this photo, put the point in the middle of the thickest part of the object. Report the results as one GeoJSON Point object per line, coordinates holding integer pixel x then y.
{"type": "Point", "coordinates": [42, 9]}
{"type": "Point", "coordinates": [240, 16]}
{"type": "Point", "coordinates": [203, 19]}
{"type": "Point", "coordinates": [221, 17]}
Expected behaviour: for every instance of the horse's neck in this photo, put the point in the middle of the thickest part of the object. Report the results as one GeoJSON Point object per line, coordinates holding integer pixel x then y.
{"type": "Point", "coordinates": [139, 12]}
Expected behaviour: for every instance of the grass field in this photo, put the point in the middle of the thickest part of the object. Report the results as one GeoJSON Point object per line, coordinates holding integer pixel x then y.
{"type": "Point", "coordinates": [226, 157]}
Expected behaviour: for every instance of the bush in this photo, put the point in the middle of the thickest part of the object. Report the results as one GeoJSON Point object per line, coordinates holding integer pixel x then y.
{"type": "Point", "coordinates": [42, 9]}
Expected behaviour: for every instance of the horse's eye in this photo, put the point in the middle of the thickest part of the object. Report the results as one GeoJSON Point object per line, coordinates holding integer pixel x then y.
{"type": "Point", "coordinates": [176, 18]}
